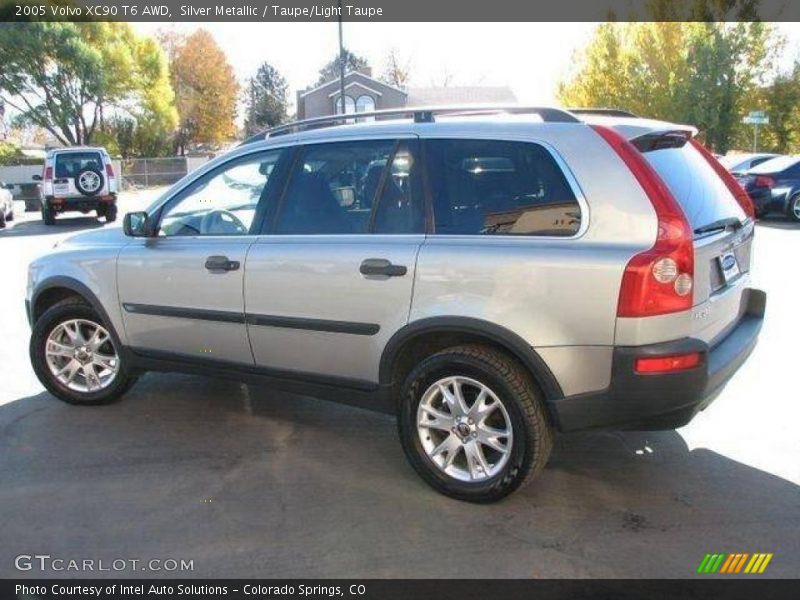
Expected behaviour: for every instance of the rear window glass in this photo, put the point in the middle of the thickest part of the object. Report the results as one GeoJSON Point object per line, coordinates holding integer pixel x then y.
{"type": "Point", "coordinates": [488, 187]}
{"type": "Point", "coordinates": [70, 164]}
{"type": "Point", "coordinates": [701, 193]}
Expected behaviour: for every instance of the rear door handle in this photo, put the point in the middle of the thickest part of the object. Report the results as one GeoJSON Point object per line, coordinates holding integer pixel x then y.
{"type": "Point", "coordinates": [381, 266]}
{"type": "Point", "coordinates": [218, 264]}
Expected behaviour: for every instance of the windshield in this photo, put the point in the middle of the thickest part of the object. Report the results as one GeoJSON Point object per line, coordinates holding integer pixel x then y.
{"type": "Point", "coordinates": [775, 165]}
{"type": "Point", "coordinates": [701, 193]}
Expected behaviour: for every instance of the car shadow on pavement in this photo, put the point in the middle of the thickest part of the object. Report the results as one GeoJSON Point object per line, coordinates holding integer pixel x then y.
{"type": "Point", "coordinates": [246, 481]}
{"type": "Point", "coordinates": [63, 225]}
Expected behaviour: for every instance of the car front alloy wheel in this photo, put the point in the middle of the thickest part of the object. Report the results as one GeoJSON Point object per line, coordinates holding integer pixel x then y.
{"type": "Point", "coordinates": [81, 355]}
{"type": "Point", "coordinates": [76, 356]}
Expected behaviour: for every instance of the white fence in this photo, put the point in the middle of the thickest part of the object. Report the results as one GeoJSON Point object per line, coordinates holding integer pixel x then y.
{"type": "Point", "coordinates": [148, 172]}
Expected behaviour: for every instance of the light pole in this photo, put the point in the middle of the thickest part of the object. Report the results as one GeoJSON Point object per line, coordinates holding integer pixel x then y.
{"type": "Point", "coordinates": [341, 61]}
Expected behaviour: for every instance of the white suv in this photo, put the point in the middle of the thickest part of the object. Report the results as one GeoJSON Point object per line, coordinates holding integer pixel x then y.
{"type": "Point", "coordinates": [78, 179]}
{"type": "Point", "coordinates": [488, 277]}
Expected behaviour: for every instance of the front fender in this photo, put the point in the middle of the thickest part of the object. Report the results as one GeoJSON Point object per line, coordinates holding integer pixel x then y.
{"type": "Point", "coordinates": [91, 273]}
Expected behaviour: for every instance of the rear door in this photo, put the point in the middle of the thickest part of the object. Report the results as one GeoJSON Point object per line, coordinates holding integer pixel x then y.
{"type": "Point", "coordinates": [723, 236]}
{"type": "Point", "coordinates": [79, 173]}
{"type": "Point", "coordinates": [331, 280]}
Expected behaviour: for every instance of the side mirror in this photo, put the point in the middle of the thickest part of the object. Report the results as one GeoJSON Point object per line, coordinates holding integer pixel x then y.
{"type": "Point", "coordinates": [37, 177]}
{"type": "Point", "coordinates": [136, 224]}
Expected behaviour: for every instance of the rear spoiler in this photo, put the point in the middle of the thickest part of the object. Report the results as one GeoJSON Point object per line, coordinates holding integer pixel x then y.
{"type": "Point", "coordinates": [659, 140]}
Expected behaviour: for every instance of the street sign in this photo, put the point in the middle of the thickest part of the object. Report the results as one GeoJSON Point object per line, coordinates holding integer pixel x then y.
{"type": "Point", "coordinates": [756, 118]}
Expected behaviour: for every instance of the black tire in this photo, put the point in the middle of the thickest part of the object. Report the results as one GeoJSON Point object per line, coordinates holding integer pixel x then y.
{"type": "Point", "coordinates": [513, 385]}
{"type": "Point", "coordinates": [10, 216]}
{"type": "Point", "coordinates": [790, 208]}
{"type": "Point", "coordinates": [74, 308]}
{"type": "Point", "coordinates": [2, 220]}
{"type": "Point", "coordinates": [48, 216]}
{"type": "Point", "coordinates": [89, 192]}
{"type": "Point", "coordinates": [111, 213]}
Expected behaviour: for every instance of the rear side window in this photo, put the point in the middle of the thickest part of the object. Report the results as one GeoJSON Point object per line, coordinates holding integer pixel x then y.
{"type": "Point", "coordinates": [488, 187]}
{"type": "Point", "coordinates": [701, 193]}
{"type": "Point", "coordinates": [69, 164]}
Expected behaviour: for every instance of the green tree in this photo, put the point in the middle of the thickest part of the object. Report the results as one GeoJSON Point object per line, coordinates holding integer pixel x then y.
{"type": "Point", "coordinates": [205, 88]}
{"type": "Point", "coordinates": [780, 99]}
{"type": "Point", "coordinates": [66, 77]}
{"type": "Point", "coordinates": [698, 73]}
{"type": "Point", "coordinates": [266, 103]}
{"type": "Point", "coordinates": [352, 62]}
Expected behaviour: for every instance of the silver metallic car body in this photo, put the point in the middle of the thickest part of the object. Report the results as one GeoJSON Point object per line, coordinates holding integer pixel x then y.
{"type": "Point", "coordinates": [559, 295]}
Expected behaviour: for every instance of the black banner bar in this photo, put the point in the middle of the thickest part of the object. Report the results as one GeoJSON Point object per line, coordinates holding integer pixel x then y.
{"type": "Point", "coordinates": [539, 589]}
{"type": "Point", "coordinates": [399, 11]}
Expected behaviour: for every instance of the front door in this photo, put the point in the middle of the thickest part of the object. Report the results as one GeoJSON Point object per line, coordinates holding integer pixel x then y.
{"type": "Point", "coordinates": [331, 280]}
{"type": "Point", "coordinates": [181, 292]}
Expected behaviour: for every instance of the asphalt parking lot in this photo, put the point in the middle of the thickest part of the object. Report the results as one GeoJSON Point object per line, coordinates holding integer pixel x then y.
{"type": "Point", "coordinates": [248, 482]}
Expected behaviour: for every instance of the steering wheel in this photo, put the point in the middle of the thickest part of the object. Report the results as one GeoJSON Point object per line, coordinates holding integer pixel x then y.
{"type": "Point", "coordinates": [219, 221]}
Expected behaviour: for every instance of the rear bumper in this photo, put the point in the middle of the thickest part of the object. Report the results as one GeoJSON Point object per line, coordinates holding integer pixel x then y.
{"type": "Point", "coordinates": [84, 204]}
{"type": "Point", "coordinates": [663, 401]}
{"type": "Point", "coordinates": [765, 199]}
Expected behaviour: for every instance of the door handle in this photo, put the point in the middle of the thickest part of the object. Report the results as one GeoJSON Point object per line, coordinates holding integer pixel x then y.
{"type": "Point", "coordinates": [381, 266]}
{"type": "Point", "coordinates": [217, 264]}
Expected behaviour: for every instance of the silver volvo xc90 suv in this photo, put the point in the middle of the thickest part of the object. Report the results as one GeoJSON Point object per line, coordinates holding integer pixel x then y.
{"type": "Point", "coordinates": [490, 276]}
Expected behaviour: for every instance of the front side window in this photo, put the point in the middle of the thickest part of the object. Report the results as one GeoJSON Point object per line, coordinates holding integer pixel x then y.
{"type": "Point", "coordinates": [489, 187]}
{"type": "Point", "coordinates": [223, 202]}
{"type": "Point", "coordinates": [352, 187]}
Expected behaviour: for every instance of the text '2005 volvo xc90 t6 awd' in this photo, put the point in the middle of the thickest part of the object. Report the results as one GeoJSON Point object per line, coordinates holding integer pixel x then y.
{"type": "Point", "coordinates": [489, 276]}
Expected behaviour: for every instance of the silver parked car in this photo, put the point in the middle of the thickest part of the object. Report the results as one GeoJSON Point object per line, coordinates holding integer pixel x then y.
{"type": "Point", "coordinates": [490, 276]}
{"type": "Point", "coordinates": [6, 204]}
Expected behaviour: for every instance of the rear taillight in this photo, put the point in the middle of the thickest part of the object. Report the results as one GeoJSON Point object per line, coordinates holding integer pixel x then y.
{"type": "Point", "coordinates": [660, 280]}
{"type": "Point", "coordinates": [763, 181]}
{"type": "Point", "coordinates": [109, 170]}
{"type": "Point", "coordinates": [652, 365]}
{"type": "Point", "coordinates": [48, 174]}
{"type": "Point", "coordinates": [736, 190]}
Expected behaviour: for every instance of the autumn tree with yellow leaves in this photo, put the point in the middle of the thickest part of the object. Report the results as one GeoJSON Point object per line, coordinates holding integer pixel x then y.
{"type": "Point", "coordinates": [205, 88]}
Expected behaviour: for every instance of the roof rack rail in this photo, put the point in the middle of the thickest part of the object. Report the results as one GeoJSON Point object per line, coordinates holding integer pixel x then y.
{"type": "Point", "coordinates": [603, 112]}
{"type": "Point", "coordinates": [419, 114]}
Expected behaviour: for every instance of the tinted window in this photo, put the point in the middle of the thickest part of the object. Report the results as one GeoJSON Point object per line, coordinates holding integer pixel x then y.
{"type": "Point", "coordinates": [484, 187]}
{"type": "Point", "coordinates": [701, 193]}
{"type": "Point", "coordinates": [69, 164]}
{"type": "Point", "coordinates": [223, 202]}
{"type": "Point", "coordinates": [351, 187]}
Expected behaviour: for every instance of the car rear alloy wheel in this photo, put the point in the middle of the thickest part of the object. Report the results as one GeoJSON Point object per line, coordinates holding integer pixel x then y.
{"type": "Point", "coordinates": [794, 208]}
{"type": "Point", "coordinates": [464, 428]}
{"type": "Point", "coordinates": [81, 356]}
{"type": "Point", "coordinates": [473, 423]}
